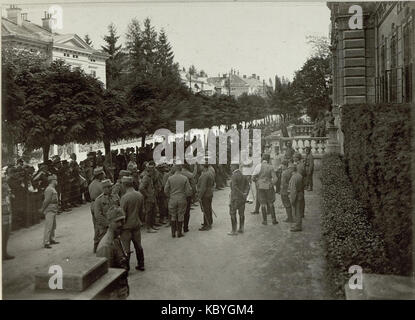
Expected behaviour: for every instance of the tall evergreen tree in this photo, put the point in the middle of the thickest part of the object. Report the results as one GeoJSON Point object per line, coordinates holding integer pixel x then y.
{"type": "Point", "coordinates": [149, 38]}
{"type": "Point", "coordinates": [165, 56]}
{"type": "Point", "coordinates": [134, 48]}
{"type": "Point", "coordinates": [114, 64]}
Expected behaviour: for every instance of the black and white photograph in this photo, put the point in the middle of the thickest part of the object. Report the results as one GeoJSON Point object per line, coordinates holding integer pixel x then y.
{"type": "Point", "coordinates": [192, 150]}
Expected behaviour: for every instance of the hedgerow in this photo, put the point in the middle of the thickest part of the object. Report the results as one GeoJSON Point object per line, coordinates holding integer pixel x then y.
{"type": "Point", "coordinates": [377, 143]}
{"type": "Point", "coordinates": [349, 237]}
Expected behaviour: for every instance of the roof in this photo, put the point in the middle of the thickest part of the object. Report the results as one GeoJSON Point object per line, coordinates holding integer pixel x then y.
{"type": "Point", "coordinates": [31, 31]}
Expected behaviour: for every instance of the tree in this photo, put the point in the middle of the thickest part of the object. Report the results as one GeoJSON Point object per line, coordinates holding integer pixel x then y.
{"type": "Point", "coordinates": [149, 38]}
{"type": "Point", "coordinates": [18, 68]}
{"type": "Point", "coordinates": [62, 106]}
{"type": "Point", "coordinates": [165, 57]}
{"type": "Point", "coordinates": [281, 99]}
{"type": "Point", "coordinates": [135, 51]}
{"type": "Point", "coordinates": [88, 40]}
{"type": "Point", "coordinates": [312, 83]}
{"type": "Point", "coordinates": [116, 60]}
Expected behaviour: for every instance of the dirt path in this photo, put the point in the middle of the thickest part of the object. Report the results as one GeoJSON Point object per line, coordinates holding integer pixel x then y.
{"type": "Point", "coordinates": [266, 262]}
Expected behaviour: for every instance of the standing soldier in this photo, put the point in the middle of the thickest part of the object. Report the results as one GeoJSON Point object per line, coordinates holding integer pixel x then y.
{"type": "Point", "coordinates": [132, 203]}
{"type": "Point", "coordinates": [162, 198]}
{"type": "Point", "coordinates": [150, 204]}
{"type": "Point", "coordinates": [75, 182]}
{"type": "Point", "coordinates": [266, 178]}
{"type": "Point", "coordinates": [296, 197]}
{"type": "Point", "coordinates": [284, 189]}
{"type": "Point", "coordinates": [298, 161]}
{"type": "Point", "coordinates": [309, 169]}
{"type": "Point", "coordinates": [50, 209]}
{"type": "Point", "coordinates": [191, 176]}
{"type": "Point", "coordinates": [239, 193]}
{"type": "Point", "coordinates": [205, 187]}
{"type": "Point", "coordinates": [177, 189]}
{"type": "Point", "coordinates": [6, 217]}
{"type": "Point", "coordinates": [118, 189]}
{"type": "Point", "coordinates": [289, 152]}
{"type": "Point", "coordinates": [95, 189]}
{"type": "Point", "coordinates": [101, 206]}
{"type": "Point", "coordinates": [64, 182]}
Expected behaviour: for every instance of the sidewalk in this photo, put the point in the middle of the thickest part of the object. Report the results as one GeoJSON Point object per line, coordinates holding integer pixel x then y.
{"type": "Point", "coordinates": [266, 262]}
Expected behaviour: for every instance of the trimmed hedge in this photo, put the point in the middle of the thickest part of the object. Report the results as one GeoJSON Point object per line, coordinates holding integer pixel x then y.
{"type": "Point", "coordinates": [377, 144]}
{"type": "Point", "coordinates": [349, 237]}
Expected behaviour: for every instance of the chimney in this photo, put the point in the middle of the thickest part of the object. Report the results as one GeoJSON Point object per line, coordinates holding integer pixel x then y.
{"type": "Point", "coordinates": [46, 21]}
{"type": "Point", "coordinates": [257, 77]}
{"type": "Point", "coordinates": [14, 14]}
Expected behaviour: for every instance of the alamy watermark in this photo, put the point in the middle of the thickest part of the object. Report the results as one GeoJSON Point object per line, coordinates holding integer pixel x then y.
{"type": "Point", "coordinates": [239, 140]}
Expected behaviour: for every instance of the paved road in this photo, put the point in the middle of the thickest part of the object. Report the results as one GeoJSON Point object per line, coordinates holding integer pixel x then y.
{"type": "Point", "coordinates": [266, 262]}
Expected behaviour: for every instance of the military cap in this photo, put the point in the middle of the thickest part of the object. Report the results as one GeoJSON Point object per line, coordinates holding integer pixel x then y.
{"type": "Point", "coordinates": [124, 173]}
{"type": "Point", "coordinates": [297, 155]}
{"type": "Point", "coordinates": [52, 177]}
{"type": "Point", "coordinates": [98, 171]}
{"type": "Point", "coordinates": [106, 183]}
{"type": "Point", "coordinates": [116, 214]}
{"type": "Point", "coordinates": [56, 159]}
{"type": "Point", "coordinates": [127, 179]}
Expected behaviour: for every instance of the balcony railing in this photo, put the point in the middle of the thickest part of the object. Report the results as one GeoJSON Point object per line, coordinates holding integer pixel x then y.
{"type": "Point", "coordinates": [304, 130]}
{"type": "Point", "coordinates": [317, 144]}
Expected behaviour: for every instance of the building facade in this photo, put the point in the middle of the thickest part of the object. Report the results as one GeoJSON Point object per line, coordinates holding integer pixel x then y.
{"type": "Point", "coordinates": [18, 32]}
{"type": "Point", "coordinates": [374, 63]}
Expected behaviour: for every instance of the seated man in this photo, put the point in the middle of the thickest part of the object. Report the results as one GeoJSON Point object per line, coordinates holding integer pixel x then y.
{"type": "Point", "coordinates": [111, 248]}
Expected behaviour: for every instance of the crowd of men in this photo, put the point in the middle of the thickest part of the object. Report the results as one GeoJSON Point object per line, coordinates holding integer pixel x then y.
{"type": "Point", "coordinates": [134, 195]}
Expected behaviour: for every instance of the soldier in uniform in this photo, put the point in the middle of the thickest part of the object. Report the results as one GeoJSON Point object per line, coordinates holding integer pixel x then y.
{"type": "Point", "coordinates": [205, 186]}
{"type": "Point", "coordinates": [112, 248]}
{"type": "Point", "coordinates": [95, 189]}
{"type": "Point", "coordinates": [50, 209]}
{"type": "Point", "coordinates": [191, 176]}
{"type": "Point", "coordinates": [6, 217]}
{"type": "Point", "coordinates": [101, 206]}
{"type": "Point", "coordinates": [309, 169]}
{"type": "Point", "coordinates": [239, 193]}
{"type": "Point", "coordinates": [296, 197]}
{"type": "Point", "coordinates": [118, 189]}
{"type": "Point", "coordinates": [284, 189]}
{"type": "Point", "coordinates": [75, 182]}
{"type": "Point", "coordinates": [266, 178]}
{"type": "Point", "coordinates": [132, 204]}
{"type": "Point", "coordinates": [147, 190]}
{"type": "Point", "coordinates": [298, 161]}
{"type": "Point", "coordinates": [289, 153]}
{"type": "Point", "coordinates": [177, 189]}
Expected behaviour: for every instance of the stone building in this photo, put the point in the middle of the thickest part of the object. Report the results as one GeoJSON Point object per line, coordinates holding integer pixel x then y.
{"type": "Point", "coordinates": [18, 32]}
{"type": "Point", "coordinates": [375, 63]}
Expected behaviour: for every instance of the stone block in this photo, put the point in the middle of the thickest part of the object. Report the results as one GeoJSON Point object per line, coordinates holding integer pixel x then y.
{"type": "Point", "coordinates": [77, 274]}
{"type": "Point", "coordinates": [354, 81]}
{"type": "Point", "coordinates": [388, 287]}
{"type": "Point", "coordinates": [354, 71]}
{"type": "Point", "coordinates": [354, 53]}
{"type": "Point", "coordinates": [353, 34]}
{"type": "Point", "coordinates": [354, 99]}
{"type": "Point", "coordinates": [354, 62]}
{"type": "Point", "coordinates": [354, 91]}
{"type": "Point", "coordinates": [354, 43]}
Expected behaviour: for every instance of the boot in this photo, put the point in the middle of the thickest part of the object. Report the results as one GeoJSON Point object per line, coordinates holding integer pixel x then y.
{"type": "Point", "coordinates": [289, 215]}
{"type": "Point", "coordinates": [179, 229]}
{"type": "Point", "coordinates": [264, 215]}
{"type": "Point", "coordinates": [274, 218]}
{"type": "Point", "coordinates": [233, 221]}
{"type": "Point", "coordinates": [173, 229]}
{"type": "Point", "coordinates": [241, 224]}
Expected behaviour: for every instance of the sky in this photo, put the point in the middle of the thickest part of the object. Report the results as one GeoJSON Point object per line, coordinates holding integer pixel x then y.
{"type": "Point", "coordinates": [265, 38]}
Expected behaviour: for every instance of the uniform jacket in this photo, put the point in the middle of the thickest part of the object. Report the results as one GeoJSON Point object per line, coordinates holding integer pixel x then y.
{"type": "Point", "coordinates": [178, 186]}
{"type": "Point", "coordinates": [147, 188]}
{"type": "Point", "coordinates": [239, 186]}
{"type": "Point", "coordinates": [266, 176]}
{"type": "Point", "coordinates": [285, 181]}
{"type": "Point", "coordinates": [95, 189]}
{"type": "Point", "coordinates": [132, 204]}
{"type": "Point", "coordinates": [205, 185]}
{"type": "Point", "coordinates": [309, 163]}
{"type": "Point", "coordinates": [101, 206]}
{"type": "Point", "coordinates": [296, 187]}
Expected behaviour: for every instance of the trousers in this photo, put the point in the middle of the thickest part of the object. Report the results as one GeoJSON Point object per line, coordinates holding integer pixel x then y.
{"type": "Point", "coordinates": [50, 226]}
{"type": "Point", "coordinates": [207, 210]}
{"type": "Point", "coordinates": [134, 235]}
